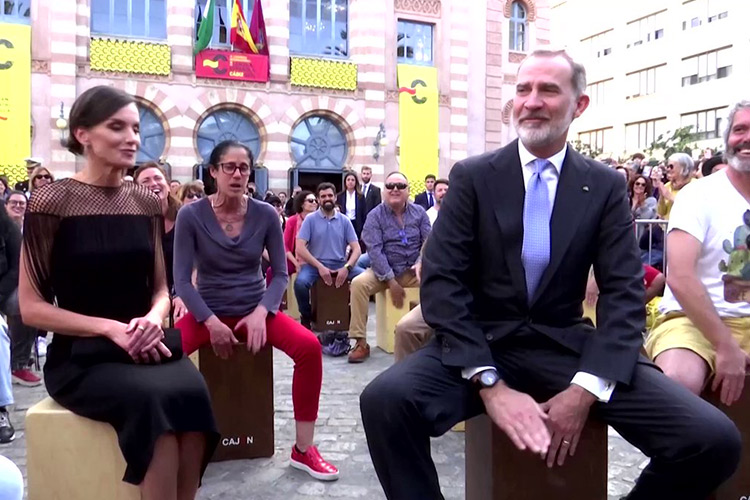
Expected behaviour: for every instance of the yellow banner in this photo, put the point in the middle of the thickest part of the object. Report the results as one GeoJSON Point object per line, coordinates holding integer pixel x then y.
{"type": "Point", "coordinates": [15, 96]}
{"type": "Point", "coordinates": [418, 123]}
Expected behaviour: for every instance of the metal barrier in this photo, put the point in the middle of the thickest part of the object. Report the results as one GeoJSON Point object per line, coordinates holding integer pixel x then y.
{"type": "Point", "coordinates": [644, 229]}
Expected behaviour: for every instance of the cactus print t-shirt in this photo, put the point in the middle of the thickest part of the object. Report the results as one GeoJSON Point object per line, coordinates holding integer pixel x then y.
{"type": "Point", "coordinates": [717, 215]}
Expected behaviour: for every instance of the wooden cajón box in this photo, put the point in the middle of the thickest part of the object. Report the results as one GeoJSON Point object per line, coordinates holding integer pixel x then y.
{"type": "Point", "coordinates": [330, 306]}
{"type": "Point", "coordinates": [241, 391]}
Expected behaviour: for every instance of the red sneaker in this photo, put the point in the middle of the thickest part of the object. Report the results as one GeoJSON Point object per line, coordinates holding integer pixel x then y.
{"type": "Point", "coordinates": [312, 463]}
{"type": "Point", "coordinates": [26, 377]}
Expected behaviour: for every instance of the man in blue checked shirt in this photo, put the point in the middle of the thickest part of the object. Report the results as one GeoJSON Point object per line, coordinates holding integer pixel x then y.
{"type": "Point", "coordinates": [394, 233]}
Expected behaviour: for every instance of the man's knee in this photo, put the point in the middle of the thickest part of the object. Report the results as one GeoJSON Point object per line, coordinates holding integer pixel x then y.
{"type": "Point", "coordinates": [722, 444]}
{"type": "Point", "coordinates": [382, 396]}
{"type": "Point", "coordinates": [684, 367]}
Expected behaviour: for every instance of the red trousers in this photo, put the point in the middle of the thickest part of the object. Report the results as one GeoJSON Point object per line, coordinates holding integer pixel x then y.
{"type": "Point", "coordinates": [285, 334]}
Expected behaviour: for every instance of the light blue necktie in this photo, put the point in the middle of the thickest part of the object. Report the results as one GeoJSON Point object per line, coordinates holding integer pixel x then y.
{"type": "Point", "coordinates": [536, 215]}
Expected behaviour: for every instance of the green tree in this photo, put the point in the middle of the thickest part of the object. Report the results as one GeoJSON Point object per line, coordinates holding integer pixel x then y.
{"type": "Point", "coordinates": [678, 142]}
{"type": "Point", "coordinates": [586, 149]}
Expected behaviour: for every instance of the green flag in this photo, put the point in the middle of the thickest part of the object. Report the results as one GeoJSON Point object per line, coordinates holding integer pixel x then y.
{"type": "Point", "coordinates": [206, 29]}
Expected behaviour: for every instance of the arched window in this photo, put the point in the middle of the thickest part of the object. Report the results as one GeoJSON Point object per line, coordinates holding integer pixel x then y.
{"type": "Point", "coordinates": [152, 136]}
{"type": "Point", "coordinates": [318, 142]}
{"type": "Point", "coordinates": [518, 27]}
{"type": "Point", "coordinates": [224, 125]}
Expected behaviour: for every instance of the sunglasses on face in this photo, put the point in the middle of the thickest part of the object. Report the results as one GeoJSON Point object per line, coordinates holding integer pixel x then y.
{"type": "Point", "coordinates": [231, 167]}
{"type": "Point", "coordinates": [390, 186]}
{"type": "Point", "coordinates": [192, 196]}
{"type": "Point", "coordinates": [311, 200]}
{"type": "Point", "coordinates": [44, 176]}
{"type": "Point", "coordinates": [670, 167]}
{"type": "Point", "coordinates": [639, 184]}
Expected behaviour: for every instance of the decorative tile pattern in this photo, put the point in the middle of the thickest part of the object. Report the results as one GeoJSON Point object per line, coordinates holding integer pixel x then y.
{"type": "Point", "coordinates": [130, 56]}
{"type": "Point", "coordinates": [429, 7]}
{"type": "Point", "coordinates": [323, 73]}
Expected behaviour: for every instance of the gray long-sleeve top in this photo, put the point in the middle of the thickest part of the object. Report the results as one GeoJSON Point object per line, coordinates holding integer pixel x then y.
{"type": "Point", "coordinates": [230, 281]}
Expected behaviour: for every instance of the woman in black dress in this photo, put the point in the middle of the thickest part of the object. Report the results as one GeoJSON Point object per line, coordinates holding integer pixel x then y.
{"type": "Point", "coordinates": [92, 243]}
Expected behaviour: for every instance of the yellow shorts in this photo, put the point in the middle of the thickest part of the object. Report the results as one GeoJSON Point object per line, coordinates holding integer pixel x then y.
{"type": "Point", "coordinates": [676, 331]}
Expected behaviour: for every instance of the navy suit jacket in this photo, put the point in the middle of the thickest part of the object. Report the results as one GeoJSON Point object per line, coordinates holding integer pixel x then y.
{"type": "Point", "coordinates": [422, 200]}
{"type": "Point", "coordinates": [473, 289]}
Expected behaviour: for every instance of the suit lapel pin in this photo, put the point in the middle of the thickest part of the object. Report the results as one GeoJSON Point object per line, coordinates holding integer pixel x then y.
{"type": "Point", "coordinates": [586, 189]}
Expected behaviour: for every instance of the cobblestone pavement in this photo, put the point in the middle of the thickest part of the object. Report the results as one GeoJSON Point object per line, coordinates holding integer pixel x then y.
{"type": "Point", "coordinates": [340, 438]}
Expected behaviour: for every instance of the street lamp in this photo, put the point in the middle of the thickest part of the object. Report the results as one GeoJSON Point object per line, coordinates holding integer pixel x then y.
{"type": "Point", "coordinates": [62, 125]}
{"type": "Point", "coordinates": [381, 141]}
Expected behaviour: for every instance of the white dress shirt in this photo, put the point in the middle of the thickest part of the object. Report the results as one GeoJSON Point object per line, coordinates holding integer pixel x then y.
{"type": "Point", "coordinates": [351, 205]}
{"type": "Point", "coordinates": [599, 387]}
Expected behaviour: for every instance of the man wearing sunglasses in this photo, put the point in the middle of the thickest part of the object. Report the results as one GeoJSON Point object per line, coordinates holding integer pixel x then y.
{"type": "Point", "coordinates": [503, 279]}
{"type": "Point", "coordinates": [394, 233]}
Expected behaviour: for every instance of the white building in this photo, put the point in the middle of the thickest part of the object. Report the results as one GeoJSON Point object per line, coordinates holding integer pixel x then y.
{"type": "Point", "coordinates": [654, 66]}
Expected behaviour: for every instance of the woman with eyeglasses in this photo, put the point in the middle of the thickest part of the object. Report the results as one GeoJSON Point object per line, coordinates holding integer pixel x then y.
{"type": "Point", "coordinates": [223, 237]}
{"type": "Point", "coordinates": [190, 192]}
{"type": "Point", "coordinates": [680, 169]}
{"type": "Point", "coordinates": [305, 203]}
{"type": "Point", "coordinates": [39, 177]}
{"type": "Point", "coordinates": [16, 206]}
{"type": "Point", "coordinates": [153, 177]}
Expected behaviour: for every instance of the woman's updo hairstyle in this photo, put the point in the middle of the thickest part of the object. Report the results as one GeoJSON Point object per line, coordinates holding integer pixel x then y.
{"type": "Point", "coordinates": [92, 108]}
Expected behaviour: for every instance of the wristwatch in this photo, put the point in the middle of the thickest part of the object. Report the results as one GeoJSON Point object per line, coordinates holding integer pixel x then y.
{"type": "Point", "coordinates": [348, 267]}
{"type": "Point", "coordinates": [487, 378]}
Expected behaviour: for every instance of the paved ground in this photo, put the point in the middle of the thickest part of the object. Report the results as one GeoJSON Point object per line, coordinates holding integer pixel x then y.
{"type": "Point", "coordinates": [340, 439]}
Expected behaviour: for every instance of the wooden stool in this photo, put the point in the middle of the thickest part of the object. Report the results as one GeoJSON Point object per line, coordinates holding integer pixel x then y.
{"type": "Point", "coordinates": [289, 301]}
{"type": "Point", "coordinates": [738, 486]}
{"type": "Point", "coordinates": [241, 389]}
{"type": "Point", "coordinates": [330, 306]}
{"type": "Point", "coordinates": [497, 470]}
{"type": "Point", "coordinates": [69, 456]}
{"type": "Point", "coordinates": [386, 316]}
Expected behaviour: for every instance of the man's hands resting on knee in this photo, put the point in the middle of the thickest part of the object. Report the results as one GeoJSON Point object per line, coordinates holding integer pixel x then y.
{"type": "Point", "coordinates": [518, 416]}
{"type": "Point", "coordinates": [567, 413]}
{"type": "Point", "coordinates": [551, 429]}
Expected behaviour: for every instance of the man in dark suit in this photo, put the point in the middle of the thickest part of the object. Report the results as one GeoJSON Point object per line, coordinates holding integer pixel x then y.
{"type": "Point", "coordinates": [369, 190]}
{"type": "Point", "coordinates": [503, 279]}
{"type": "Point", "coordinates": [426, 199]}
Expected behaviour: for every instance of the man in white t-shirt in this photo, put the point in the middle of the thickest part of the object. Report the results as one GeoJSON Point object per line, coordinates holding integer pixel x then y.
{"type": "Point", "coordinates": [705, 323]}
{"type": "Point", "coordinates": [440, 188]}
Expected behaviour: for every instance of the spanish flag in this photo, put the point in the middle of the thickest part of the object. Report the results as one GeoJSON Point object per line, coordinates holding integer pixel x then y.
{"type": "Point", "coordinates": [243, 37]}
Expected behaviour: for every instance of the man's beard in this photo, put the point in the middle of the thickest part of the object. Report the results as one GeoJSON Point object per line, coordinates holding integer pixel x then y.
{"type": "Point", "coordinates": [328, 206]}
{"type": "Point", "coordinates": [545, 133]}
{"type": "Point", "coordinates": [737, 163]}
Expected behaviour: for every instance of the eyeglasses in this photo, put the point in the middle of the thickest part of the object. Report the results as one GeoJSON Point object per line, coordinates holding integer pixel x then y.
{"type": "Point", "coordinates": [311, 200]}
{"type": "Point", "coordinates": [639, 183]}
{"type": "Point", "coordinates": [670, 167]}
{"type": "Point", "coordinates": [390, 186]}
{"type": "Point", "coordinates": [44, 176]}
{"type": "Point", "coordinates": [230, 168]}
{"type": "Point", "coordinates": [17, 203]}
{"type": "Point", "coordinates": [194, 195]}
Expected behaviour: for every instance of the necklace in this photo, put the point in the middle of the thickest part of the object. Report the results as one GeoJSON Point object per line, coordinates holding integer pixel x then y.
{"type": "Point", "coordinates": [228, 223]}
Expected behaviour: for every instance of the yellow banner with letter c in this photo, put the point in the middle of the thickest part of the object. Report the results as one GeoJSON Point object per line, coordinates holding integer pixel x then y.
{"type": "Point", "coordinates": [15, 97]}
{"type": "Point", "coordinates": [418, 123]}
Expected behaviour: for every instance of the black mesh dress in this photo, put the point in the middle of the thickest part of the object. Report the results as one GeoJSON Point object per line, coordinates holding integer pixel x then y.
{"type": "Point", "coordinates": [93, 250]}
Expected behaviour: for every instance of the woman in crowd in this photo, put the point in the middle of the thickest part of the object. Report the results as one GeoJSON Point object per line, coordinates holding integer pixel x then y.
{"type": "Point", "coordinates": [92, 271]}
{"type": "Point", "coordinates": [12, 348]}
{"type": "Point", "coordinates": [39, 177]}
{"type": "Point", "coordinates": [4, 188]}
{"type": "Point", "coordinates": [16, 206]}
{"type": "Point", "coordinates": [153, 177]}
{"type": "Point", "coordinates": [305, 203]}
{"type": "Point", "coordinates": [190, 192]}
{"type": "Point", "coordinates": [352, 203]}
{"type": "Point", "coordinates": [680, 168]}
{"type": "Point", "coordinates": [223, 237]}
{"type": "Point", "coordinates": [275, 202]}
{"type": "Point", "coordinates": [642, 204]}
